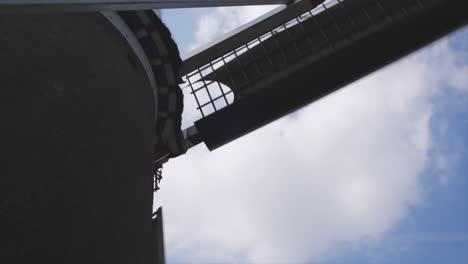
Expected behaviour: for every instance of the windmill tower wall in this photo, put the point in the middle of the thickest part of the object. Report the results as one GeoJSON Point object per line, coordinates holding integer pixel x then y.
{"type": "Point", "coordinates": [78, 127]}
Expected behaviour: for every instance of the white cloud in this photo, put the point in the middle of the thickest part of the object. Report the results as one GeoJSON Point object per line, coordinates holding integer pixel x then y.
{"type": "Point", "coordinates": [224, 19]}
{"type": "Point", "coordinates": [345, 169]}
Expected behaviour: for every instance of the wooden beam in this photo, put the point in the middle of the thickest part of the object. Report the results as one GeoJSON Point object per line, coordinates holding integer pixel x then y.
{"type": "Point", "coordinates": [8, 6]}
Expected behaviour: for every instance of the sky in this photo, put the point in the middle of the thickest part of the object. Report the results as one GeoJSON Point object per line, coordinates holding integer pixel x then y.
{"type": "Point", "coordinates": [374, 173]}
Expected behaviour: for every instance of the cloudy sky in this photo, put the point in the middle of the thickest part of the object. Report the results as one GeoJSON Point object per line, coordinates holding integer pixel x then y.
{"type": "Point", "coordinates": [374, 173]}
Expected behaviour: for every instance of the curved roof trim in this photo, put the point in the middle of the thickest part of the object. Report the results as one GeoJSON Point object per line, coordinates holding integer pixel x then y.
{"type": "Point", "coordinates": [164, 58]}
{"type": "Point", "coordinates": [128, 34]}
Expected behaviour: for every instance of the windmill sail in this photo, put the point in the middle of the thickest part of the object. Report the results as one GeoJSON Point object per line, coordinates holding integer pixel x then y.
{"type": "Point", "coordinates": [309, 56]}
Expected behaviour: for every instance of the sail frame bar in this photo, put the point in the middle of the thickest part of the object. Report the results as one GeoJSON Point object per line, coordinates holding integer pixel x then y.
{"type": "Point", "coordinates": [13, 6]}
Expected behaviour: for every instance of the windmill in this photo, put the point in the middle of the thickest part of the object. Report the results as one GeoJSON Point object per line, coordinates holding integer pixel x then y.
{"type": "Point", "coordinates": [92, 104]}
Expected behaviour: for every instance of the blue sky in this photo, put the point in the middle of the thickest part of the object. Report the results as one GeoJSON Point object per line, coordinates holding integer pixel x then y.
{"type": "Point", "coordinates": [437, 230]}
{"type": "Point", "coordinates": [398, 194]}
